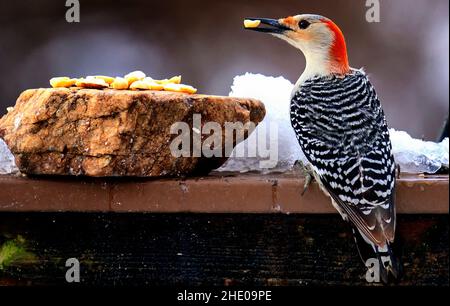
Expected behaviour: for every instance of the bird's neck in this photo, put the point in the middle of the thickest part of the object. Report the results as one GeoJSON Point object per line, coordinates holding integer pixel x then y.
{"type": "Point", "coordinates": [322, 63]}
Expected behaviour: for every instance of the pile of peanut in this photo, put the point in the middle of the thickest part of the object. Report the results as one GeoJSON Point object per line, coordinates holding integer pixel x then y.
{"type": "Point", "coordinates": [136, 80]}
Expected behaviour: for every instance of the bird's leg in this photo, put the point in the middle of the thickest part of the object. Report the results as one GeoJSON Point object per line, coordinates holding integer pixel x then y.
{"type": "Point", "coordinates": [308, 179]}
{"type": "Point", "coordinates": [306, 172]}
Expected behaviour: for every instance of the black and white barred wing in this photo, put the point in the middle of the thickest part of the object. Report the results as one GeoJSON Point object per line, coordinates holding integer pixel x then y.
{"type": "Point", "coordinates": [363, 195]}
{"type": "Point", "coordinates": [342, 130]}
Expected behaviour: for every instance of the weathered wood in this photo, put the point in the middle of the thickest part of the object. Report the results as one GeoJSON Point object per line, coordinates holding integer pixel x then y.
{"type": "Point", "coordinates": [217, 193]}
{"type": "Point", "coordinates": [213, 249]}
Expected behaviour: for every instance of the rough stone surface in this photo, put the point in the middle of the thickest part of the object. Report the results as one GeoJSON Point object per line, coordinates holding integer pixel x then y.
{"type": "Point", "coordinates": [113, 133]}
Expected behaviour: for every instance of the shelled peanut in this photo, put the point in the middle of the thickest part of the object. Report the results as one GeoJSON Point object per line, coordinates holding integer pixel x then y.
{"type": "Point", "coordinates": [136, 80]}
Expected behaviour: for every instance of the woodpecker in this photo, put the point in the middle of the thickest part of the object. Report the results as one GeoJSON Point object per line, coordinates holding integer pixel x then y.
{"type": "Point", "coordinates": [341, 128]}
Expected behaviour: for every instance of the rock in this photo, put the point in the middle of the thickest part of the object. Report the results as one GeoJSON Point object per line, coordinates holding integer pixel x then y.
{"type": "Point", "coordinates": [113, 133]}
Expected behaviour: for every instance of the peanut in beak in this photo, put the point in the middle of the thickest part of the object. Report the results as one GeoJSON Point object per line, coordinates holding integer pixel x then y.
{"type": "Point", "coordinates": [251, 23]}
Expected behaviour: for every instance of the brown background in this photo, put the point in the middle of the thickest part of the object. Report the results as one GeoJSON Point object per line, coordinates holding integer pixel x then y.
{"type": "Point", "coordinates": [406, 54]}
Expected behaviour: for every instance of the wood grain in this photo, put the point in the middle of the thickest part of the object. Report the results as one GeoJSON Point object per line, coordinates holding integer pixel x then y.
{"type": "Point", "coordinates": [218, 193]}
{"type": "Point", "coordinates": [213, 249]}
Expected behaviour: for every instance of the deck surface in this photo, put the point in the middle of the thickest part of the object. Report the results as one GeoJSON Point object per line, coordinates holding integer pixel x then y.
{"type": "Point", "coordinates": [217, 193]}
{"type": "Point", "coordinates": [217, 230]}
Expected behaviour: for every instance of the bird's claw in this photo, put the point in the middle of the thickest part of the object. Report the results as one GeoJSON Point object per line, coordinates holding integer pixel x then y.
{"type": "Point", "coordinates": [308, 179]}
{"type": "Point", "coordinates": [306, 172]}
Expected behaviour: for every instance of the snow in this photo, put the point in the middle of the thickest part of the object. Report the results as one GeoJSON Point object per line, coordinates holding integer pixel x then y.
{"type": "Point", "coordinates": [418, 156]}
{"type": "Point", "coordinates": [7, 163]}
{"type": "Point", "coordinates": [275, 93]}
{"type": "Point", "coordinates": [413, 155]}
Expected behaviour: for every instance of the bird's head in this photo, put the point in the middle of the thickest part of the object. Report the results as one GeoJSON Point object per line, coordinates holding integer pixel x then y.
{"type": "Point", "coordinates": [319, 38]}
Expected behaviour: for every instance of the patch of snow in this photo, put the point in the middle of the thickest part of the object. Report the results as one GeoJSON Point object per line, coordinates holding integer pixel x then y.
{"type": "Point", "coordinates": [418, 156]}
{"type": "Point", "coordinates": [275, 93]}
{"type": "Point", "coordinates": [7, 163]}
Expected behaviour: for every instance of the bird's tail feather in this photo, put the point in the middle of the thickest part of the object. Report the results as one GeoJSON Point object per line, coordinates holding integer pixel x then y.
{"type": "Point", "coordinates": [390, 268]}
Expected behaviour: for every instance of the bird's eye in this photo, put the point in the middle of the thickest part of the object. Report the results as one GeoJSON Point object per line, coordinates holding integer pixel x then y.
{"type": "Point", "coordinates": [303, 24]}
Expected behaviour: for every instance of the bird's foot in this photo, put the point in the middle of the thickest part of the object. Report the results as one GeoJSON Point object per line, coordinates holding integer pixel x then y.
{"type": "Point", "coordinates": [305, 171]}
{"type": "Point", "coordinates": [308, 180]}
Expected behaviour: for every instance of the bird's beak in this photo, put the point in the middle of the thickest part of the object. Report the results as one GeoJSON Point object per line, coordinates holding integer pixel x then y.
{"type": "Point", "coordinates": [273, 26]}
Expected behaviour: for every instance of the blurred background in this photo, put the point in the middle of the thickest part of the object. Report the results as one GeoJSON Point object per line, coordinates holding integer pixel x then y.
{"type": "Point", "coordinates": [406, 54]}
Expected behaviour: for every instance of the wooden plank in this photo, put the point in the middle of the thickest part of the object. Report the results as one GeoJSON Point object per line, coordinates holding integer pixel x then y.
{"type": "Point", "coordinates": [211, 194]}
{"type": "Point", "coordinates": [213, 249]}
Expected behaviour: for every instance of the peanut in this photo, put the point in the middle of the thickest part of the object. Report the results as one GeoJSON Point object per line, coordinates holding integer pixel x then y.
{"type": "Point", "coordinates": [251, 23]}
{"type": "Point", "coordinates": [62, 82]}
{"type": "Point", "coordinates": [139, 85]}
{"type": "Point", "coordinates": [105, 78]}
{"type": "Point", "coordinates": [155, 86]}
{"type": "Point", "coordinates": [180, 88]}
{"type": "Point", "coordinates": [119, 83]}
{"type": "Point", "coordinates": [152, 84]}
{"type": "Point", "coordinates": [91, 82]}
{"type": "Point", "coordinates": [134, 76]}
{"type": "Point", "coordinates": [173, 80]}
